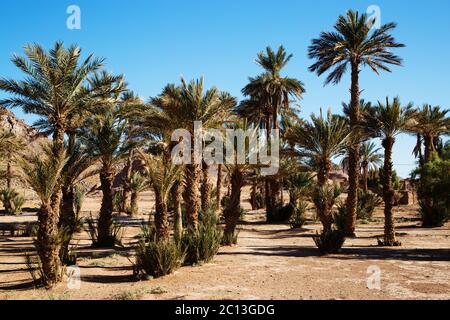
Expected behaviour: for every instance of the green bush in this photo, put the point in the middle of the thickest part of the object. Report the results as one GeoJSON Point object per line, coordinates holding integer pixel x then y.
{"type": "Point", "coordinates": [298, 218]}
{"type": "Point", "coordinates": [157, 258]}
{"type": "Point", "coordinates": [12, 201]}
{"type": "Point", "coordinates": [229, 239]}
{"type": "Point", "coordinates": [433, 192]}
{"type": "Point", "coordinates": [330, 242]}
{"type": "Point", "coordinates": [202, 245]}
{"type": "Point", "coordinates": [367, 202]}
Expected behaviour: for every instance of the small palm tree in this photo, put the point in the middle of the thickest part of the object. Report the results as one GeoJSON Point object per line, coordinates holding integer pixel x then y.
{"type": "Point", "coordinates": [319, 141]}
{"type": "Point", "coordinates": [42, 173]}
{"type": "Point", "coordinates": [353, 45]}
{"type": "Point", "coordinates": [269, 94]}
{"type": "Point", "coordinates": [370, 160]}
{"type": "Point", "coordinates": [11, 147]}
{"type": "Point", "coordinates": [387, 120]}
{"type": "Point", "coordinates": [103, 136]}
{"type": "Point", "coordinates": [137, 184]}
{"type": "Point", "coordinates": [429, 124]}
{"type": "Point", "coordinates": [238, 173]}
{"type": "Point", "coordinates": [162, 174]}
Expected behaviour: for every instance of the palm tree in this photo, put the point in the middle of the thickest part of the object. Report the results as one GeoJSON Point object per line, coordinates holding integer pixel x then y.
{"type": "Point", "coordinates": [11, 147]}
{"type": "Point", "coordinates": [137, 184]}
{"type": "Point", "coordinates": [429, 124]}
{"type": "Point", "coordinates": [269, 94]}
{"type": "Point", "coordinates": [319, 141]}
{"type": "Point", "coordinates": [387, 120]}
{"type": "Point", "coordinates": [42, 173]}
{"type": "Point", "coordinates": [238, 173]}
{"type": "Point", "coordinates": [54, 89]}
{"type": "Point", "coordinates": [78, 161]}
{"type": "Point", "coordinates": [353, 44]}
{"type": "Point", "coordinates": [370, 160]}
{"type": "Point", "coordinates": [162, 174]}
{"type": "Point", "coordinates": [103, 135]}
{"type": "Point", "coordinates": [178, 107]}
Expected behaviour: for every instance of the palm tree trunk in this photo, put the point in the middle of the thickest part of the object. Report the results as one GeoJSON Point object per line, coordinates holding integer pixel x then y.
{"type": "Point", "coordinates": [134, 206]}
{"type": "Point", "coordinates": [48, 246]}
{"type": "Point", "coordinates": [205, 188]}
{"type": "Point", "coordinates": [219, 186]}
{"type": "Point", "coordinates": [268, 185]}
{"type": "Point", "coordinates": [126, 205]}
{"type": "Point", "coordinates": [365, 177]}
{"type": "Point", "coordinates": [8, 174]}
{"type": "Point", "coordinates": [178, 214]}
{"type": "Point", "coordinates": [281, 192]}
{"type": "Point", "coordinates": [67, 220]}
{"type": "Point", "coordinates": [191, 193]}
{"type": "Point", "coordinates": [253, 194]}
{"type": "Point", "coordinates": [388, 194]}
{"type": "Point", "coordinates": [233, 211]}
{"type": "Point", "coordinates": [323, 210]}
{"type": "Point", "coordinates": [161, 217]}
{"type": "Point", "coordinates": [353, 153]}
{"type": "Point", "coordinates": [429, 148]}
{"type": "Point", "coordinates": [105, 237]}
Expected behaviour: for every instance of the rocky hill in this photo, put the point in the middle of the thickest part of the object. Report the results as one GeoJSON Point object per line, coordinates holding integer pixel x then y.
{"type": "Point", "coordinates": [9, 122]}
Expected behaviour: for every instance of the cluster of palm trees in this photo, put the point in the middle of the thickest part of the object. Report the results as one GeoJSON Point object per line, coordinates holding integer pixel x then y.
{"type": "Point", "coordinates": [97, 124]}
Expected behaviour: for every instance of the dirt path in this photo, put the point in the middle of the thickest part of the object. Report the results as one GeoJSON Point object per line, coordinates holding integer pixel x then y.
{"type": "Point", "coordinates": [271, 262]}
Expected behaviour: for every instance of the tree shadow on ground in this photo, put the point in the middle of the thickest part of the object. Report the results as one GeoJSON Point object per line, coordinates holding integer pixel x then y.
{"type": "Point", "coordinates": [350, 253]}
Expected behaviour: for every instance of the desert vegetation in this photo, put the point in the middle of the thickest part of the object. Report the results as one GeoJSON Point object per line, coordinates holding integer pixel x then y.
{"type": "Point", "coordinates": [97, 137]}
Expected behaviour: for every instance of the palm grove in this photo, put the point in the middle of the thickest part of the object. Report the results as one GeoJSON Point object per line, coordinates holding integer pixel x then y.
{"type": "Point", "coordinates": [96, 125]}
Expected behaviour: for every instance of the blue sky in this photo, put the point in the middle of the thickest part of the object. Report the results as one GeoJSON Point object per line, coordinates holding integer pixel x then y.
{"type": "Point", "coordinates": [154, 42]}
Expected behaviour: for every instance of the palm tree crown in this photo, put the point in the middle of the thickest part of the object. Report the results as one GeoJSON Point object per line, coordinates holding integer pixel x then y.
{"type": "Point", "coordinates": [352, 42]}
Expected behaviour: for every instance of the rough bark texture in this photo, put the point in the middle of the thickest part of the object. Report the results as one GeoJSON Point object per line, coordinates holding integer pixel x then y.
{"type": "Point", "coordinates": [134, 207]}
{"type": "Point", "coordinates": [253, 194]}
{"type": "Point", "coordinates": [161, 217]}
{"type": "Point", "coordinates": [429, 148]}
{"type": "Point", "coordinates": [178, 214]}
{"type": "Point", "coordinates": [48, 242]}
{"type": "Point", "coordinates": [191, 193]}
{"type": "Point", "coordinates": [219, 186]}
{"type": "Point", "coordinates": [388, 194]}
{"type": "Point", "coordinates": [48, 245]}
{"type": "Point", "coordinates": [365, 166]}
{"type": "Point", "coordinates": [233, 211]}
{"type": "Point", "coordinates": [67, 220]}
{"type": "Point", "coordinates": [324, 210]}
{"type": "Point", "coordinates": [206, 188]}
{"type": "Point", "coordinates": [126, 201]}
{"type": "Point", "coordinates": [353, 153]}
{"type": "Point", "coordinates": [105, 237]}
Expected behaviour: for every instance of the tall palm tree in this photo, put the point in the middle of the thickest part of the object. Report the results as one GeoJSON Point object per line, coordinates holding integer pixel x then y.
{"type": "Point", "coordinates": [42, 173]}
{"type": "Point", "coordinates": [162, 174]}
{"type": "Point", "coordinates": [269, 93]}
{"type": "Point", "coordinates": [178, 107]}
{"type": "Point", "coordinates": [54, 88]}
{"type": "Point", "coordinates": [429, 124]}
{"type": "Point", "coordinates": [103, 134]}
{"type": "Point", "coordinates": [353, 45]}
{"type": "Point", "coordinates": [387, 120]}
{"type": "Point", "coordinates": [319, 141]}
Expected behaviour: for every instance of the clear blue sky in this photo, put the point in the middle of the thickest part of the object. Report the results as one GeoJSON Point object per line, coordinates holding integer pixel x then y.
{"type": "Point", "coordinates": [154, 42]}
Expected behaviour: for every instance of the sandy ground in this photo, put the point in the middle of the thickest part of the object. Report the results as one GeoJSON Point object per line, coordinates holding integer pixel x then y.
{"type": "Point", "coordinates": [270, 262]}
